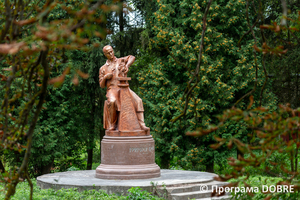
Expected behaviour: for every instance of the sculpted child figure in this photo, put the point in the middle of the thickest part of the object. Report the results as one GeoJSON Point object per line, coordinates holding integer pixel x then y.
{"type": "Point", "coordinates": [108, 77]}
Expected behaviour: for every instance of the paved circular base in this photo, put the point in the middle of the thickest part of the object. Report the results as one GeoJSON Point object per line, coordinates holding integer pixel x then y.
{"type": "Point", "coordinates": [85, 180]}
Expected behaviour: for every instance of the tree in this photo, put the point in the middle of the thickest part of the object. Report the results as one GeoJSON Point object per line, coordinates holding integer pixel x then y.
{"type": "Point", "coordinates": [276, 132]}
{"type": "Point", "coordinates": [61, 131]}
{"type": "Point", "coordinates": [92, 96]}
{"type": "Point", "coordinates": [83, 103]}
{"type": "Point", "coordinates": [284, 71]}
{"type": "Point", "coordinates": [226, 72]}
{"type": "Point", "coordinates": [32, 44]}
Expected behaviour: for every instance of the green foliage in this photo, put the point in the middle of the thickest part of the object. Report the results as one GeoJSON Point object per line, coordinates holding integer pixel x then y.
{"type": "Point", "coordinates": [275, 145]}
{"type": "Point", "coordinates": [73, 169]}
{"type": "Point", "coordinates": [37, 38]}
{"type": "Point", "coordinates": [227, 72]}
{"type": "Point", "coordinates": [136, 193]}
{"type": "Point", "coordinates": [283, 71]}
{"type": "Point", "coordinates": [276, 151]}
{"type": "Point", "coordinates": [258, 181]}
{"type": "Point", "coordinates": [65, 162]}
{"type": "Point", "coordinates": [273, 170]}
{"type": "Point", "coordinates": [60, 131]}
{"type": "Point", "coordinates": [51, 36]}
{"type": "Point", "coordinates": [62, 194]}
{"type": "Point", "coordinates": [22, 193]}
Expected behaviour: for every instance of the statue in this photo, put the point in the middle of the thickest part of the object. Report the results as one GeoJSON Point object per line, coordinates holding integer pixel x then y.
{"type": "Point", "coordinates": [113, 76]}
{"type": "Point", "coordinates": [127, 149]}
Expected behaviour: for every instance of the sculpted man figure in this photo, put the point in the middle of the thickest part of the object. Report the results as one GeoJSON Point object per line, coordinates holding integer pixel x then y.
{"type": "Point", "coordinates": [108, 77]}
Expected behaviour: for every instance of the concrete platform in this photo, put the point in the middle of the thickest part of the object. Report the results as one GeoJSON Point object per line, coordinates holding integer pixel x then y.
{"type": "Point", "coordinates": [85, 180]}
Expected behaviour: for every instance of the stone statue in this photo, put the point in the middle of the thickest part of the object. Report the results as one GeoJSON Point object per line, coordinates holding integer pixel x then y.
{"type": "Point", "coordinates": [123, 109]}
{"type": "Point", "coordinates": [127, 149]}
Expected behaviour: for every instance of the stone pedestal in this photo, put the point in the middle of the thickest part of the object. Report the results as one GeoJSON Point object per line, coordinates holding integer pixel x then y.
{"type": "Point", "coordinates": [129, 157]}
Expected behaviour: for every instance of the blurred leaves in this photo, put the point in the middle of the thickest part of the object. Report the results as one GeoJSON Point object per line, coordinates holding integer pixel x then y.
{"type": "Point", "coordinates": [34, 41]}
{"type": "Point", "coordinates": [275, 132]}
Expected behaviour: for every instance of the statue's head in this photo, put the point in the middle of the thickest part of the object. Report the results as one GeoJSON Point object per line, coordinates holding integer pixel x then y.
{"type": "Point", "coordinates": [108, 52]}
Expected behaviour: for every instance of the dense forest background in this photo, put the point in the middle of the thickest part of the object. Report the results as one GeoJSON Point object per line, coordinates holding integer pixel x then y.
{"type": "Point", "coordinates": [180, 93]}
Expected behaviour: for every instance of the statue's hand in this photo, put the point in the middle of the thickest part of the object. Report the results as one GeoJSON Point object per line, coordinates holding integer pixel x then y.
{"type": "Point", "coordinates": [108, 76]}
{"type": "Point", "coordinates": [125, 70]}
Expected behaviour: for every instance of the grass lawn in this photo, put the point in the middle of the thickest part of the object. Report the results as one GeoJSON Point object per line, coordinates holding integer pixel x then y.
{"type": "Point", "coordinates": [23, 191]}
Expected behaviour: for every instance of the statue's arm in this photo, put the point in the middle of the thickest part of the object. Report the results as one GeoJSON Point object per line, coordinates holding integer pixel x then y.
{"type": "Point", "coordinates": [102, 83]}
{"type": "Point", "coordinates": [129, 60]}
{"type": "Point", "coordinates": [103, 77]}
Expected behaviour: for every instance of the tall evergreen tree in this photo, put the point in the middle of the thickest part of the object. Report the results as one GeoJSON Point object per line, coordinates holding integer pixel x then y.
{"type": "Point", "coordinates": [227, 72]}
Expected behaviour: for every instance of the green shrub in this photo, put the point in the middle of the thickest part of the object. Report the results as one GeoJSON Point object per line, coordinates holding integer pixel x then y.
{"type": "Point", "coordinates": [136, 193]}
{"type": "Point", "coordinates": [258, 181]}
{"type": "Point", "coordinates": [73, 168]}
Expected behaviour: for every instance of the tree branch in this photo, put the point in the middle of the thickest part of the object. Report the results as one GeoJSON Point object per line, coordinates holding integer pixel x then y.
{"type": "Point", "coordinates": [266, 79]}
{"type": "Point", "coordinates": [5, 104]}
{"type": "Point", "coordinates": [8, 20]}
{"type": "Point", "coordinates": [12, 186]}
{"type": "Point", "coordinates": [255, 58]}
{"type": "Point", "coordinates": [196, 74]}
{"type": "Point", "coordinates": [284, 13]}
{"type": "Point", "coordinates": [82, 22]}
{"type": "Point", "coordinates": [249, 31]}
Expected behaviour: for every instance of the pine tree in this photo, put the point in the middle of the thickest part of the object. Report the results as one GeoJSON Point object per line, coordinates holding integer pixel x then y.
{"type": "Point", "coordinates": [226, 74]}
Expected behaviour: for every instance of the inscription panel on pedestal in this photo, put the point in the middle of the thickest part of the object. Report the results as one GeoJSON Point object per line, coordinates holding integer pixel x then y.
{"type": "Point", "coordinates": [141, 149]}
{"type": "Point", "coordinates": [127, 153]}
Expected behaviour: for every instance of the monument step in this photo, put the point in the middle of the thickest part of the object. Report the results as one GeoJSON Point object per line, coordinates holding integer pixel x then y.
{"type": "Point", "coordinates": [199, 195]}
{"type": "Point", "coordinates": [225, 197]}
{"type": "Point", "coordinates": [188, 191]}
{"type": "Point", "coordinates": [193, 187]}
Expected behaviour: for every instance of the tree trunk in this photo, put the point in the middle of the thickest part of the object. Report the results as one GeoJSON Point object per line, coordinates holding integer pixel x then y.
{"type": "Point", "coordinates": [210, 166]}
{"type": "Point", "coordinates": [102, 130]}
{"type": "Point", "coordinates": [239, 153]}
{"type": "Point", "coordinates": [90, 159]}
{"type": "Point", "coordinates": [121, 27]}
{"type": "Point", "coordinates": [165, 161]}
{"type": "Point", "coordinates": [2, 169]}
{"type": "Point", "coordinates": [46, 169]}
{"type": "Point", "coordinates": [102, 134]}
{"type": "Point", "coordinates": [90, 139]}
{"type": "Point", "coordinates": [121, 17]}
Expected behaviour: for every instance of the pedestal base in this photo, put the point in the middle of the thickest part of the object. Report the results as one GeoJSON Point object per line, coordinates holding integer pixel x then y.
{"type": "Point", "coordinates": [127, 158]}
{"type": "Point", "coordinates": [128, 172]}
{"type": "Point", "coordinates": [127, 133]}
